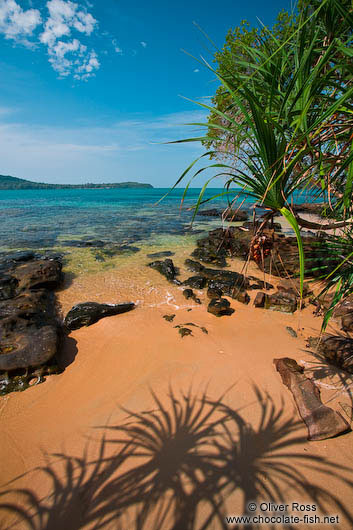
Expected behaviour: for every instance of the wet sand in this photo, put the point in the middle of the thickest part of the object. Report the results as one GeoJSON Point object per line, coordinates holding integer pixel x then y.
{"type": "Point", "coordinates": [261, 452]}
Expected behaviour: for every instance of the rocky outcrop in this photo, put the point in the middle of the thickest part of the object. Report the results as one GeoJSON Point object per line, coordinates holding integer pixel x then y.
{"type": "Point", "coordinates": [229, 215]}
{"type": "Point", "coordinates": [220, 244]}
{"type": "Point", "coordinates": [166, 268]}
{"type": "Point", "coordinates": [196, 282]}
{"type": "Point", "coordinates": [322, 422]}
{"type": "Point", "coordinates": [89, 313]}
{"type": "Point", "coordinates": [283, 260]}
{"type": "Point", "coordinates": [29, 327]}
{"type": "Point", "coordinates": [228, 283]}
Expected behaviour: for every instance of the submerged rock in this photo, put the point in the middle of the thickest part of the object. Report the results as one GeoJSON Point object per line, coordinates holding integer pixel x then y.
{"type": "Point", "coordinates": [8, 287]}
{"type": "Point", "coordinates": [322, 422]}
{"type": "Point", "coordinates": [163, 254]}
{"type": "Point", "coordinates": [220, 307]}
{"type": "Point", "coordinates": [228, 214]}
{"type": "Point", "coordinates": [89, 313]}
{"type": "Point", "coordinates": [166, 268]}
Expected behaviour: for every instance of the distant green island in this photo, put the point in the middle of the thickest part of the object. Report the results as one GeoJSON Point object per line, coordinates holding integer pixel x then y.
{"type": "Point", "coordinates": [13, 183]}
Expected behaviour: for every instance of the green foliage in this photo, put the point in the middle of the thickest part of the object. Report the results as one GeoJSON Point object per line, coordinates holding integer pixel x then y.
{"type": "Point", "coordinates": [13, 183]}
{"type": "Point", "coordinates": [282, 117]}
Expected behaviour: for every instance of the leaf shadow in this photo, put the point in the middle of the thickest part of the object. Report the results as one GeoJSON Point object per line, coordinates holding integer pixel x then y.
{"type": "Point", "coordinates": [176, 467]}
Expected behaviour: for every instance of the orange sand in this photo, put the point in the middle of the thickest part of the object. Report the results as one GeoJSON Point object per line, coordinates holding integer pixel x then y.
{"type": "Point", "coordinates": [116, 362]}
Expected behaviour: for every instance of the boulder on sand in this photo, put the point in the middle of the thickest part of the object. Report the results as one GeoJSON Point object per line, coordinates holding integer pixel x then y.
{"type": "Point", "coordinates": [322, 421]}
{"type": "Point", "coordinates": [89, 313]}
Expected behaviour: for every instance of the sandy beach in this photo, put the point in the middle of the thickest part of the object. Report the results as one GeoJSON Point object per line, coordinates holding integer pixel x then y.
{"type": "Point", "coordinates": [64, 467]}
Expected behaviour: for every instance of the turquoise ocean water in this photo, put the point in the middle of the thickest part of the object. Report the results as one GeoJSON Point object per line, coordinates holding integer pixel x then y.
{"type": "Point", "coordinates": [46, 219]}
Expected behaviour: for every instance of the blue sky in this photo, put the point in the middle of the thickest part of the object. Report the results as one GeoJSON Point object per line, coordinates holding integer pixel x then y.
{"type": "Point", "coordinates": [90, 89]}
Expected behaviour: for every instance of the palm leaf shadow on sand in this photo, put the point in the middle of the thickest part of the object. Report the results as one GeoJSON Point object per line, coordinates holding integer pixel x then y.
{"type": "Point", "coordinates": [175, 467]}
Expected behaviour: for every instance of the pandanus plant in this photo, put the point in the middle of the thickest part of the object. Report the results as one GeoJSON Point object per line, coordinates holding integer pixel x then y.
{"type": "Point", "coordinates": [287, 121]}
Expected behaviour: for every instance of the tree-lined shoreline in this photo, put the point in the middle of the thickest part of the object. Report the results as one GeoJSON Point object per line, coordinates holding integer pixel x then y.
{"type": "Point", "coordinates": [14, 183]}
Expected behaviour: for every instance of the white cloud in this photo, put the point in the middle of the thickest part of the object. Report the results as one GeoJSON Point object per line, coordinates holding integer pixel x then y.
{"type": "Point", "coordinates": [196, 70]}
{"type": "Point", "coordinates": [16, 23]}
{"type": "Point", "coordinates": [63, 17]}
{"type": "Point", "coordinates": [143, 44]}
{"type": "Point", "coordinates": [117, 47]}
{"type": "Point", "coordinates": [69, 56]}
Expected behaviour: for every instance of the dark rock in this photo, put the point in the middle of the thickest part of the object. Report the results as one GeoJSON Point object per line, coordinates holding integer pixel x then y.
{"type": "Point", "coordinates": [347, 322]}
{"type": "Point", "coordinates": [212, 212]}
{"type": "Point", "coordinates": [169, 318]}
{"type": "Point", "coordinates": [231, 284]}
{"type": "Point", "coordinates": [222, 243]}
{"type": "Point", "coordinates": [30, 307]}
{"type": "Point", "coordinates": [213, 291]}
{"type": "Point", "coordinates": [21, 256]}
{"type": "Point", "coordinates": [90, 312]}
{"type": "Point", "coordinates": [189, 293]}
{"type": "Point", "coordinates": [229, 215]}
{"type": "Point", "coordinates": [322, 422]}
{"type": "Point", "coordinates": [29, 329]}
{"type": "Point", "coordinates": [193, 266]}
{"type": "Point", "coordinates": [81, 243]}
{"type": "Point", "coordinates": [203, 329]}
{"type": "Point", "coordinates": [196, 282]}
{"type": "Point", "coordinates": [220, 307]}
{"type": "Point", "coordinates": [283, 259]}
{"type": "Point", "coordinates": [336, 350]}
{"type": "Point", "coordinates": [164, 254]}
{"type": "Point", "coordinates": [260, 300]}
{"type": "Point", "coordinates": [39, 274]}
{"type": "Point", "coordinates": [32, 347]}
{"type": "Point", "coordinates": [292, 332]}
{"type": "Point", "coordinates": [110, 251]}
{"type": "Point", "coordinates": [8, 287]}
{"type": "Point", "coordinates": [293, 286]}
{"type": "Point", "coordinates": [184, 332]}
{"type": "Point", "coordinates": [343, 308]}
{"type": "Point", "coordinates": [314, 208]}
{"type": "Point", "coordinates": [166, 268]}
{"type": "Point", "coordinates": [281, 301]}
{"type": "Point", "coordinates": [259, 284]}
{"type": "Point", "coordinates": [253, 227]}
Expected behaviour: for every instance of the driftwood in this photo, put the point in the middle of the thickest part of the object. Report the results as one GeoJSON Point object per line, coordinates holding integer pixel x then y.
{"type": "Point", "coordinates": [322, 421]}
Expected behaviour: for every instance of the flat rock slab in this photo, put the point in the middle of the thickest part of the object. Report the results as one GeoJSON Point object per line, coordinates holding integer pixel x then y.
{"type": "Point", "coordinates": [322, 421]}
{"type": "Point", "coordinates": [89, 313]}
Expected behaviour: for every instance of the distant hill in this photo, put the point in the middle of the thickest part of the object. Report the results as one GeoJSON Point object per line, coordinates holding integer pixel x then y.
{"type": "Point", "coordinates": [13, 183]}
